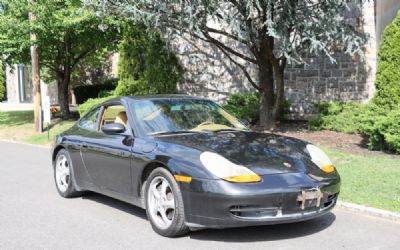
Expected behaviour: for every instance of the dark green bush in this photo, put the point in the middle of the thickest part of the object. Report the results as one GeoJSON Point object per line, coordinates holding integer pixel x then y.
{"type": "Point", "coordinates": [388, 73]}
{"type": "Point", "coordinates": [86, 106]}
{"type": "Point", "coordinates": [85, 92]}
{"type": "Point", "coordinates": [380, 124]}
{"type": "Point", "coordinates": [338, 116]}
{"type": "Point", "coordinates": [244, 106]}
{"type": "Point", "coordinates": [145, 65]}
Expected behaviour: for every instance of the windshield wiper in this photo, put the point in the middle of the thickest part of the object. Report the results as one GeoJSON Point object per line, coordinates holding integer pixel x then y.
{"type": "Point", "coordinates": [223, 130]}
{"type": "Point", "coordinates": [173, 132]}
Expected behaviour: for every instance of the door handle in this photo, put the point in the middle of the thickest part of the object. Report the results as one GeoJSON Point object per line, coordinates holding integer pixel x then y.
{"type": "Point", "coordinates": [84, 146]}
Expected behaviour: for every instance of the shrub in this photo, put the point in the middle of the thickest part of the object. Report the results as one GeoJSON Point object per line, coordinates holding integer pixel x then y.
{"type": "Point", "coordinates": [86, 106]}
{"type": "Point", "coordinates": [338, 116]}
{"type": "Point", "coordinates": [388, 72]}
{"type": "Point", "coordinates": [244, 106]}
{"type": "Point", "coordinates": [145, 64]}
{"type": "Point", "coordinates": [85, 92]}
{"type": "Point", "coordinates": [381, 125]}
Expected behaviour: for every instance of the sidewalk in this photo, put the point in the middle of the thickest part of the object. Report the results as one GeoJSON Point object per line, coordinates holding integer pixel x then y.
{"type": "Point", "coordinates": [6, 106]}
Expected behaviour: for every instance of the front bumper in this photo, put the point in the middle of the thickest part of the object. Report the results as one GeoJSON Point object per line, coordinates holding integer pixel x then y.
{"type": "Point", "coordinates": [274, 200]}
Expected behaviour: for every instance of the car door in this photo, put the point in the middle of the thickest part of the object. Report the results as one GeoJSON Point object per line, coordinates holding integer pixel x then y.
{"type": "Point", "coordinates": [107, 158]}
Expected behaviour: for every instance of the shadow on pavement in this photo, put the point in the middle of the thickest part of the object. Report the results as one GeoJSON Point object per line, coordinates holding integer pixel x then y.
{"type": "Point", "coordinates": [266, 233]}
{"type": "Point", "coordinates": [116, 204]}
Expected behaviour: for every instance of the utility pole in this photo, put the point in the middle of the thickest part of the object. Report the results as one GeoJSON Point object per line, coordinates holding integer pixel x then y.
{"type": "Point", "coordinates": [36, 78]}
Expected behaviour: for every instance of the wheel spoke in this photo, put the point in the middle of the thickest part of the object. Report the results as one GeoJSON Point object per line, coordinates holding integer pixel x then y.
{"type": "Point", "coordinates": [169, 204]}
{"type": "Point", "coordinates": [155, 192]}
{"type": "Point", "coordinates": [164, 186]}
{"type": "Point", "coordinates": [164, 217]}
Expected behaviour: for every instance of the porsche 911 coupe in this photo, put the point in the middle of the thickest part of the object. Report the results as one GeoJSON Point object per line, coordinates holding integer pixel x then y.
{"type": "Point", "coordinates": [192, 165]}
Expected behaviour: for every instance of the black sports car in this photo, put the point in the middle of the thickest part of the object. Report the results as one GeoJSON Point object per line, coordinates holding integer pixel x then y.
{"type": "Point", "coordinates": [192, 165]}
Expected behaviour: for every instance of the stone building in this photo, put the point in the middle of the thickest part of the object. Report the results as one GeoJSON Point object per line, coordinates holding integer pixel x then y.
{"type": "Point", "coordinates": [210, 74]}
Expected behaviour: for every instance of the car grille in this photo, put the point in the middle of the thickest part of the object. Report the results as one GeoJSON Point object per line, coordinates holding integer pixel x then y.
{"type": "Point", "coordinates": [262, 212]}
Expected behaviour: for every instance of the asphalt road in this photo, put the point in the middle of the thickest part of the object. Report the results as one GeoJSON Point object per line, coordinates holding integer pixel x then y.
{"type": "Point", "coordinates": [34, 216]}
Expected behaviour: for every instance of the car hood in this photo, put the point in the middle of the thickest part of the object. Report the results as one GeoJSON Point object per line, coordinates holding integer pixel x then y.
{"type": "Point", "coordinates": [260, 152]}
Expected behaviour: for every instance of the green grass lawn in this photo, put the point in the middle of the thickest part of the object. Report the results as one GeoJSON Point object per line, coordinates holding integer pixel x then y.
{"type": "Point", "coordinates": [18, 126]}
{"type": "Point", "coordinates": [15, 118]}
{"type": "Point", "coordinates": [46, 138]}
{"type": "Point", "coordinates": [369, 180]}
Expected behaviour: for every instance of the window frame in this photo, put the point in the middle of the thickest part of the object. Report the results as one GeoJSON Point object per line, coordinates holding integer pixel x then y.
{"type": "Point", "coordinates": [96, 124]}
{"type": "Point", "coordinates": [129, 130]}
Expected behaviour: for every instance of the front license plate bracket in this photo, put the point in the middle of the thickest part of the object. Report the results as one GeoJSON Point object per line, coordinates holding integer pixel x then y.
{"type": "Point", "coordinates": [310, 198]}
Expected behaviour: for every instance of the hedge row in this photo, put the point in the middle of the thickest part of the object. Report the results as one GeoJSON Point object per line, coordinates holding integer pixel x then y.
{"type": "Point", "coordinates": [381, 125]}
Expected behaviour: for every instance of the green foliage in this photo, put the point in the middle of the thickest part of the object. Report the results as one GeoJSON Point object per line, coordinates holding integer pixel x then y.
{"type": "Point", "coordinates": [145, 65]}
{"type": "Point", "coordinates": [337, 116]}
{"type": "Point", "coordinates": [247, 30]}
{"type": "Point", "coordinates": [2, 82]}
{"type": "Point", "coordinates": [388, 73]}
{"type": "Point", "coordinates": [381, 125]}
{"type": "Point", "coordinates": [67, 36]}
{"type": "Point", "coordinates": [90, 103]}
{"type": "Point", "coordinates": [291, 23]}
{"type": "Point", "coordinates": [244, 106]}
{"type": "Point", "coordinates": [84, 92]}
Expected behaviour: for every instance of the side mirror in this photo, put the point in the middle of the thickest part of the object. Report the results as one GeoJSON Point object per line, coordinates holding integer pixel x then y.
{"type": "Point", "coordinates": [245, 122]}
{"type": "Point", "coordinates": [113, 128]}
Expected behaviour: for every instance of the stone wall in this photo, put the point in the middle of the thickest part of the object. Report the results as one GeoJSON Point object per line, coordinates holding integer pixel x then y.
{"type": "Point", "coordinates": [12, 85]}
{"type": "Point", "coordinates": [210, 74]}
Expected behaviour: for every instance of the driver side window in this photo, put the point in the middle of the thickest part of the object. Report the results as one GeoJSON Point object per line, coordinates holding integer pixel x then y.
{"type": "Point", "coordinates": [89, 121]}
{"type": "Point", "coordinates": [115, 114]}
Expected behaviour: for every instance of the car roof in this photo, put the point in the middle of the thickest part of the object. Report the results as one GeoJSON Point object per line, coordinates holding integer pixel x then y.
{"type": "Point", "coordinates": [169, 96]}
{"type": "Point", "coordinates": [153, 97]}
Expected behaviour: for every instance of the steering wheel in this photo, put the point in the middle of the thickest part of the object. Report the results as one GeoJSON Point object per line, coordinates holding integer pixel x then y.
{"type": "Point", "coordinates": [204, 123]}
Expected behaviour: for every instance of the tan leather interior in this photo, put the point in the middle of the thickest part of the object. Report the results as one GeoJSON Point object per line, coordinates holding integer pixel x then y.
{"type": "Point", "coordinates": [121, 118]}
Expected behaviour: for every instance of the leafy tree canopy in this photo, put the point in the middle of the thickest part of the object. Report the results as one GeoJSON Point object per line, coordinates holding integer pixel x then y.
{"type": "Point", "coordinates": [273, 33]}
{"type": "Point", "coordinates": [145, 65]}
{"type": "Point", "coordinates": [67, 35]}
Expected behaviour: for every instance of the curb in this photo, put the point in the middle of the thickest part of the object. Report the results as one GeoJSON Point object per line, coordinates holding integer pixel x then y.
{"type": "Point", "coordinates": [375, 212]}
{"type": "Point", "coordinates": [27, 144]}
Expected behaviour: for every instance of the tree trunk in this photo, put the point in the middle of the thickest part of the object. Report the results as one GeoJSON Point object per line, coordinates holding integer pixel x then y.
{"type": "Point", "coordinates": [267, 96]}
{"type": "Point", "coordinates": [280, 94]}
{"type": "Point", "coordinates": [63, 95]}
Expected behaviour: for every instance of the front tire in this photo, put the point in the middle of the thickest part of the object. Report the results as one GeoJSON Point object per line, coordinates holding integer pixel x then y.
{"type": "Point", "coordinates": [63, 175]}
{"type": "Point", "coordinates": [164, 204]}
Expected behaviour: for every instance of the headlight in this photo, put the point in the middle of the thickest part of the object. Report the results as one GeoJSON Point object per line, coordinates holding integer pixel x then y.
{"type": "Point", "coordinates": [320, 159]}
{"type": "Point", "coordinates": [227, 170]}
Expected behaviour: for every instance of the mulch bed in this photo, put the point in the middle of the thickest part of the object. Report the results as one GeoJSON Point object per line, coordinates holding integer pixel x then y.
{"type": "Point", "coordinates": [349, 143]}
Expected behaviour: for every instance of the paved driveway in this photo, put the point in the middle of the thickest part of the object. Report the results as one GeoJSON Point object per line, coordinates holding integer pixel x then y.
{"type": "Point", "coordinates": [33, 216]}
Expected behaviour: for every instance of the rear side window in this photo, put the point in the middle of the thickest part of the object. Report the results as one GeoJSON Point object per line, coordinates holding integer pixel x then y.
{"type": "Point", "coordinates": [89, 121]}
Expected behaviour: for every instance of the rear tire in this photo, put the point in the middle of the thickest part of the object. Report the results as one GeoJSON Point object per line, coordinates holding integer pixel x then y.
{"type": "Point", "coordinates": [164, 204]}
{"type": "Point", "coordinates": [63, 170]}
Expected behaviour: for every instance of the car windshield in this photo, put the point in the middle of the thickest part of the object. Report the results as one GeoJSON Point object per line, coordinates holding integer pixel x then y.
{"type": "Point", "coordinates": [163, 116]}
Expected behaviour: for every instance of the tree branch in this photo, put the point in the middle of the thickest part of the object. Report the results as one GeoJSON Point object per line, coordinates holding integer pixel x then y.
{"type": "Point", "coordinates": [226, 48]}
{"type": "Point", "coordinates": [221, 32]}
{"type": "Point", "coordinates": [80, 57]}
